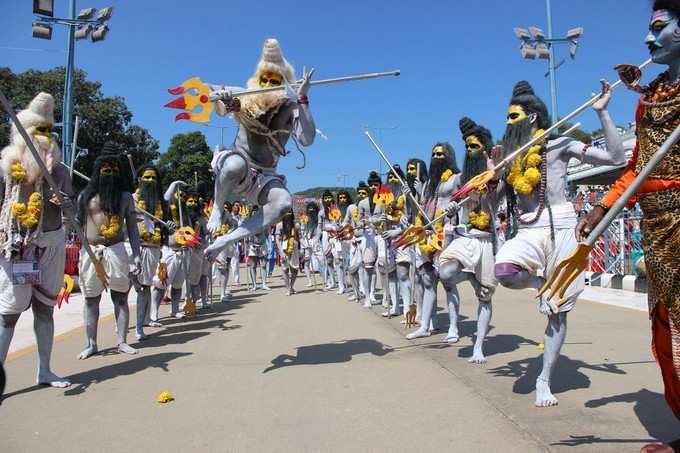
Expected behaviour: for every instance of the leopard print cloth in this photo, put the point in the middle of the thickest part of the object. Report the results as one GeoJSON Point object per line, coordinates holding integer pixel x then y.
{"type": "Point", "coordinates": [661, 243]}
{"type": "Point", "coordinates": [655, 126]}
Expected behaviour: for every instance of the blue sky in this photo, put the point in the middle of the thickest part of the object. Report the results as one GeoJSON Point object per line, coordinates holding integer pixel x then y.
{"type": "Point", "coordinates": [458, 58]}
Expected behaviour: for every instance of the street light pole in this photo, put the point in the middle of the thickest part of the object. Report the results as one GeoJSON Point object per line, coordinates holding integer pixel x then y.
{"type": "Point", "coordinates": [67, 114]}
{"type": "Point", "coordinates": [551, 63]}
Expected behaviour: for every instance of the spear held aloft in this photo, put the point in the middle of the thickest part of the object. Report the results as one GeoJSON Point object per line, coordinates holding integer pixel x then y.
{"type": "Point", "coordinates": [387, 161]}
{"type": "Point", "coordinates": [99, 267]}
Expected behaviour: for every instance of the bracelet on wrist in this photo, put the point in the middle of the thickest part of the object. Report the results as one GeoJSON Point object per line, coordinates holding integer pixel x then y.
{"type": "Point", "coordinates": [303, 100]}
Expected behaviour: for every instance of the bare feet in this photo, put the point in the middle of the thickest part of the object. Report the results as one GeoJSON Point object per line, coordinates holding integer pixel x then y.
{"type": "Point", "coordinates": [89, 351]}
{"type": "Point", "coordinates": [52, 380]}
{"type": "Point", "coordinates": [544, 398]}
{"type": "Point", "coordinates": [155, 324]}
{"type": "Point", "coordinates": [477, 357]}
{"type": "Point", "coordinates": [452, 335]}
{"type": "Point", "coordinates": [126, 349]}
{"type": "Point", "coordinates": [420, 333]}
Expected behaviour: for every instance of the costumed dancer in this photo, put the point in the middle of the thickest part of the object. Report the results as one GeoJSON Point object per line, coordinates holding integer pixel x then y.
{"type": "Point", "coordinates": [394, 224]}
{"type": "Point", "coordinates": [229, 253]}
{"type": "Point", "coordinates": [353, 238]}
{"type": "Point", "coordinates": [288, 243]}
{"type": "Point", "coordinates": [327, 242]}
{"type": "Point", "coordinates": [257, 255]}
{"type": "Point", "coordinates": [443, 180]}
{"type": "Point", "coordinates": [411, 286]}
{"type": "Point", "coordinates": [541, 220]}
{"type": "Point", "coordinates": [239, 247]}
{"type": "Point", "coordinates": [152, 234]}
{"type": "Point", "coordinates": [106, 211]}
{"type": "Point", "coordinates": [659, 197]}
{"type": "Point", "coordinates": [266, 122]}
{"type": "Point", "coordinates": [174, 255]}
{"type": "Point", "coordinates": [311, 241]}
{"type": "Point", "coordinates": [344, 201]}
{"type": "Point", "coordinates": [31, 231]}
{"type": "Point", "coordinates": [199, 268]}
{"type": "Point", "coordinates": [369, 220]}
{"type": "Point", "coordinates": [470, 255]}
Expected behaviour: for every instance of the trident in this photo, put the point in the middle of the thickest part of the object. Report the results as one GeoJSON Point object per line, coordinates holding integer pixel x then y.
{"type": "Point", "coordinates": [572, 266]}
{"type": "Point", "coordinates": [480, 181]}
{"type": "Point", "coordinates": [204, 97]}
{"type": "Point", "coordinates": [98, 266]}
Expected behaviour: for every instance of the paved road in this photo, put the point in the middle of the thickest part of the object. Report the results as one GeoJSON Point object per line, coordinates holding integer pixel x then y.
{"type": "Point", "coordinates": [314, 372]}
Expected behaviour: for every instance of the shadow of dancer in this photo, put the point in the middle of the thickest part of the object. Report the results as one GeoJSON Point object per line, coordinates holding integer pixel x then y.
{"type": "Point", "coordinates": [649, 407]}
{"type": "Point", "coordinates": [337, 352]}
{"type": "Point", "coordinates": [567, 374]}
{"type": "Point", "coordinates": [498, 344]}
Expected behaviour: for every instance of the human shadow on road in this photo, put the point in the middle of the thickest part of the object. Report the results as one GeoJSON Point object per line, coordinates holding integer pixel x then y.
{"type": "Point", "coordinates": [649, 407]}
{"type": "Point", "coordinates": [566, 376]}
{"type": "Point", "coordinates": [338, 352]}
{"type": "Point", "coordinates": [82, 381]}
{"type": "Point", "coordinates": [498, 344]}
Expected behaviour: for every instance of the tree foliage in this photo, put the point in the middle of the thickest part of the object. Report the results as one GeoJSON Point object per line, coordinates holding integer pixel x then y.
{"type": "Point", "coordinates": [578, 134]}
{"type": "Point", "coordinates": [188, 158]}
{"type": "Point", "coordinates": [102, 118]}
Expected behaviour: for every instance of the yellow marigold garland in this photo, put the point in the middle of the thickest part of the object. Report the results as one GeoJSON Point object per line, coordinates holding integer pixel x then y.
{"type": "Point", "coordinates": [113, 228]}
{"type": "Point", "coordinates": [480, 220]}
{"type": "Point", "coordinates": [146, 235]}
{"type": "Point", "coordinates": [28, 214]}
{"type": "Point", "coordinates": [18, 172]}
{"type": "Point", "coordinates": [524, 173]}
{"type": "Point", "coordinates": [446, 175]}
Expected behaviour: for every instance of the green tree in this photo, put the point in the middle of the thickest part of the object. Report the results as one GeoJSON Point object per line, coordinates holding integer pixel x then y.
{"type": "Point", "coordinates": [578, 134]}
{"type": "Point", "coordinates": [102, 118]}
{"type": "Point", "coordinates": [188, 158]}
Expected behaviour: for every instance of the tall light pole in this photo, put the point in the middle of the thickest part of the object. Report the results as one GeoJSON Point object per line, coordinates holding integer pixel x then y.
{"type": "Point", "coordinates": [87, 22]}
{"type": "Point", "coordinates": [536, 45]}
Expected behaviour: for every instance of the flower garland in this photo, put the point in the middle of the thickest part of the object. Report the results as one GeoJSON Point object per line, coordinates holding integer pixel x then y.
{"type": "Point", "coordinates": [146, 235]}
{"type": "Point", "coordinates": [446, 175]}
{"type": "Point", "coordinates": [479, 220]}
{"type": "Point", "coordinates": [18, 172]}
{"type": "Point", "coordinates": [524, 173]}
{"type": "Point", "coordinates": [28, 215]}
{"type": "Point", "coordinates": [291, 242]}
{"type": "Point", "coordinates": [113, 228]}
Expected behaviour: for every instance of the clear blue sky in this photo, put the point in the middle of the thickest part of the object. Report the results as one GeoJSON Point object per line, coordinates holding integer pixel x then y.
{"type": "Point", "coordinates": [457, 58]}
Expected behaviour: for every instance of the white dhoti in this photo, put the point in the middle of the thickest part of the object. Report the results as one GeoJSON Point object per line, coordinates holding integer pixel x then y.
{"type": "Point", "coordinates": [151, 257]}
{"type": "Point", "coordinates": [174, 262]}
{"type": "Point", "coordinates": [369, 250]}
{"type": "Point", "coordinates": [534, 250]}
{"type": "Point", "coordinates": [291, 261]}
{"type": "Point", "coordinates": [355, 255]}
{"type": "Point", "coordinates": [198, 266]}
{"type": "Point", "coordinates": [475, 255]}
{"type": "Point", "coordinates": [51, 253]}
{"type": "Point", "coordinates": [386, 259]}
{"type": "Point", "coordinates": [256, 179]}
{"type": "Point", "coordinates": [117, 263]}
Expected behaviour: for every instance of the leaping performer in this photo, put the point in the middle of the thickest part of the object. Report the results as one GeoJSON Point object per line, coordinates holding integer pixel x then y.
{"type": "Point", "coordinates": [277, 111]}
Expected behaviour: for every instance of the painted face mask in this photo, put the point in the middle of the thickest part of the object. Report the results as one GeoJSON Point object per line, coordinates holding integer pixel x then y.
{"type": "Point", "coordinates": [473, 145]}
{"type": "Point", "coordinates": [438, 152]}
{"type": "Point", "coordinates": [192, 202]}
{"type": "Point", "coordinates": [270, 79]}
{"type": "Point", "coordinates": [392, 179]}
{"type": "Point", "coordinates": [149, 176]}
{"type": "Point", "coordinates": [663, 38]}
{"type": "Point", "coordinates": [516, 114]}
{"type": "Point", "coordinates": [412, 170]}
{"type": "Point", "coordinates": [342, 198]}
{"type": "Point", "coordinates": [361, 194]}
{"type": "Point", "coordinates": [108, 169]}
{"type": "Point", "coordinates": [374, 186]}
{"type": "Point", "coordinates": [43, 129]}
{"type": "Point", "coordinates": [327, 200]}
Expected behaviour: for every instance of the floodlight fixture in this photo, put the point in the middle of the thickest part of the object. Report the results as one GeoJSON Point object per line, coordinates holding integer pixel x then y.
{"type": "Point", "coordinates": [528, 51]}
{"type": "Point", "coordinates": [575, 33]}
{"type": "Point", "coordinates": [83, 31]}
{"type": "Point", "coordinates": [105, 14]}
{"type": "Point", "coordinates": [521, 33]}
{"type": "Point", "coordinates": [42, 30]}
{"type": "Point", "coordinates": [43, 7]}
{"type": "Point", "coordinates": [86, 13]}
{"type": "Point", "coordinates": [542, 50]}
{"type": "Point", "coordinates": [537, 33]}
{"type": "Point", "coordinates": [573, 47]}
{"type": "Point", "coordinates": [99, 33]}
